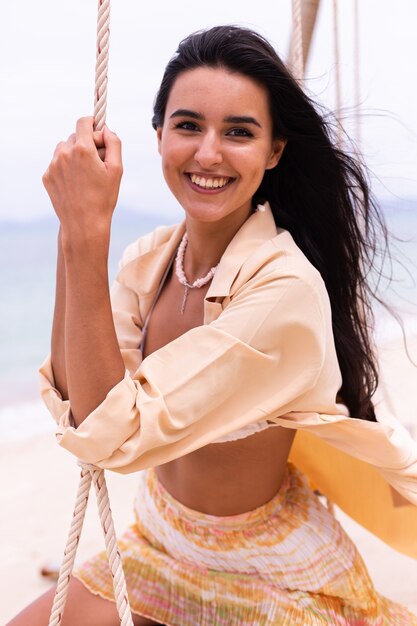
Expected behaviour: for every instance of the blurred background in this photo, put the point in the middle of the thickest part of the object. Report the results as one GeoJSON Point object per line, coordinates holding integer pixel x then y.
{"type": "Point", "coordinates": [47, 52]}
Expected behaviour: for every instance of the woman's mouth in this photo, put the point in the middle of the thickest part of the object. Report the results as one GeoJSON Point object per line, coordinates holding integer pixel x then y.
{"type": "Point", "coordinates": [209, 183]}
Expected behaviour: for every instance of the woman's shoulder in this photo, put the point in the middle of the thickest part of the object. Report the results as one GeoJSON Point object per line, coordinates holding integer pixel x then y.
{"type": "Point", "coordinates": [147, 242]}
{"type": "Point", "coordinates": [278, 258]}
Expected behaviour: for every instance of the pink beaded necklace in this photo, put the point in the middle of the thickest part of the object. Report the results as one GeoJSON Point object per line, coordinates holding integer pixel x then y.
{"type": "Point", "coordinates": [179, 271]}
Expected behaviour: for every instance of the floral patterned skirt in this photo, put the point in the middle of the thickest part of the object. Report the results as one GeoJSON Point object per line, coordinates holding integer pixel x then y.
{"type": "Point", "coordinates": [288, 562]}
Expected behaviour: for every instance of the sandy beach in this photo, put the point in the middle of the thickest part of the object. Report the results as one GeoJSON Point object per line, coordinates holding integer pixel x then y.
{"type": "Point", "coordinates": [39, 482]}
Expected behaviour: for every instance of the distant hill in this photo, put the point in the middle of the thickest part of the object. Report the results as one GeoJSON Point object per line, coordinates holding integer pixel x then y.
{"type": "Point", "coordinates": [123, 219]}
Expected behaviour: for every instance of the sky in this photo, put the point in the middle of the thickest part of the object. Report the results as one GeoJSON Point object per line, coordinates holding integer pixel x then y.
{"type": "Point", "coordinates": [47, 58]}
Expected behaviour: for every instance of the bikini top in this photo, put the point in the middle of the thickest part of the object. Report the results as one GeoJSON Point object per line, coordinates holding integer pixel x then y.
{"type": "Point", "coordinates": [242, 433]}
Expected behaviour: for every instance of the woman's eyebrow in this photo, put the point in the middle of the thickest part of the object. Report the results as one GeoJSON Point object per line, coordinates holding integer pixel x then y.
{"type": "Point", "coordinates": [187, 113]}
{"type": "Point", "coordinates": [242, 119]}
{"type": "Point", "coordinates": [232, 119]}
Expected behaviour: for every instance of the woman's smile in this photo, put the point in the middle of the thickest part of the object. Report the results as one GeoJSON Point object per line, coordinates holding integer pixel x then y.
{"type": "Point", "coordinates": [208, 183]}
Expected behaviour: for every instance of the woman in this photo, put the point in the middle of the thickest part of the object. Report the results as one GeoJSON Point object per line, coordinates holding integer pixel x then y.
{"type": "Point", "coordinates": [225, 334]}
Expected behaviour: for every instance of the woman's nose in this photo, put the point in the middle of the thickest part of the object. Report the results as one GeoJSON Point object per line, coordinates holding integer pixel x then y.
{"type": "Point", "coordinates": [208, 151]}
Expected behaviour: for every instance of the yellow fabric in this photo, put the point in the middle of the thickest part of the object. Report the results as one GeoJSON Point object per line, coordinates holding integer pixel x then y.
{"type": "Point", "coordinates": [359, 490]}
{"type": "Point", "coordinates": [265, 351]}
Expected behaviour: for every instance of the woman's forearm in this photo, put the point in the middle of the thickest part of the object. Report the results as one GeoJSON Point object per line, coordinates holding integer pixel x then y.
{"type": "Point", "coordinates": [58, 327]}
{"type": "Point", "coordinates": [94, 364]}
{"type": "Point", "coordinates": [83, 181]}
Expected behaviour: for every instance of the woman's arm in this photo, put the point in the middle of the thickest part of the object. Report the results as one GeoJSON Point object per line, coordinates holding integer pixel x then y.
{"type": "Point", "coordinates": [83, 190]}
{"type": "Point", "coordinates": [58, 327]}
{"type": "Point", "coordinates": [93, 360]}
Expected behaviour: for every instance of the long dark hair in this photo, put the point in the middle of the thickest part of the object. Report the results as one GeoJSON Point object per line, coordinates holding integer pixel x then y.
{"type": "Point", "coordinates": [318, 192]}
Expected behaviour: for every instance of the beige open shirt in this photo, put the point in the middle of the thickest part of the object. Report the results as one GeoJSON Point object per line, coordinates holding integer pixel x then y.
{"type": "Point", "coordinates": [265, 352]}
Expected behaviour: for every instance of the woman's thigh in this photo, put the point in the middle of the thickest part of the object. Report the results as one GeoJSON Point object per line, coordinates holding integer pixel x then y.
{"type": "Point", "coordinates": [82, 608]}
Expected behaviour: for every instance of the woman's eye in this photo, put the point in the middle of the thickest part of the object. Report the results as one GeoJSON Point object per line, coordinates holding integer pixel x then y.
{"type": "Point", "coordinates": [240, 132]}
{"type": "Point", "coordinates": [186, 126]}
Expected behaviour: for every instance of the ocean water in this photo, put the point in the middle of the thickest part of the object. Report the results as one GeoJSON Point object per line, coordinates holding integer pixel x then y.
{"type": "Point", "coordinates": [27, 283]}
{"type": "Point", "coordinates": [27, 278]}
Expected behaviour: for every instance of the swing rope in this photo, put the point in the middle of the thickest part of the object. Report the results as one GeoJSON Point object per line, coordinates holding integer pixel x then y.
{"type": "Point", "coordinates": [102, 63]}
{"type": "Point", "coordinates": [297, 56]}
{"type": "Point", "coordinates": [338, 84]}
{"type": "Point", "coordinates": [90, 473]}
{"type": "Point", "coordinates": [357, 82]}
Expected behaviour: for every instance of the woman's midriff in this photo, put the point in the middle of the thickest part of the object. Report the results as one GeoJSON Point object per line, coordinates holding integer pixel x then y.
{"type": "Point", "coordinates": [230, 478]}
{"type": "Point", "coordinates": [220, 478]}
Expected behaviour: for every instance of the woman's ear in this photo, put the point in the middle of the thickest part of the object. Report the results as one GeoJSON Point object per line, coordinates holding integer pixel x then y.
{"type": "Point", "coordinates": [159, 137]}
{"type": "Point", "coordinates": [277, 150]}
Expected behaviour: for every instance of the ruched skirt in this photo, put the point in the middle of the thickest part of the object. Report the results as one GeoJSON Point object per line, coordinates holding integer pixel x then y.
{"type": "Point", "coordinates": [288, 562]}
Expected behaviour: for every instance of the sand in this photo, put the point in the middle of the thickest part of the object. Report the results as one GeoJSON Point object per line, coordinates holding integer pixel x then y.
{"type": "Point", "coordinates": [39, 482]}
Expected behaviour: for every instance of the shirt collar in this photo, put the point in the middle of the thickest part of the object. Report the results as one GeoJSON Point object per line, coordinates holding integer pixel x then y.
{"type": "Point", "coordinates": [258, 228]}
{"type": "Point", "coordinates": [144, 273]}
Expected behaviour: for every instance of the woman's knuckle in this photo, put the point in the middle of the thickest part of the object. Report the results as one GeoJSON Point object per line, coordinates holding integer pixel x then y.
{"type": "Point", "coordinates": [117, 169]}
{"type": "Point", "coordinates": [53, 165]}
{"type": "Point", "coordinates": [80, 149]}
{"type": "Point", "coordinates": [64, 156]}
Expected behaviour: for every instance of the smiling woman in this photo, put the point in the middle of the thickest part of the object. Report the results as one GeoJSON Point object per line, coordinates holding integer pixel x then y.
{"type": "Point", "coordinates": [221, 338]}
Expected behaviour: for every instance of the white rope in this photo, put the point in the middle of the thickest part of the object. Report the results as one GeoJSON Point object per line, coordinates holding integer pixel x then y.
{"type": "Point", "coordinates": [338, 107]}
{"type": "Point", "coordinates": [113, 554]}
{"type": "Point", "coordinates": [70, 549]}
{"type": "Point", "coordinates": [90, 473]}
{"type": "Point", "coordinates": [102, 63]}
{"type": "Point", "coordinates": [297, 58]}
{"type": "Point", "coordinates": [357, 87]}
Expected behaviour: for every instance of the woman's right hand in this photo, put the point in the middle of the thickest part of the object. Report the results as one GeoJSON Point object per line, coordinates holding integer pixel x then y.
{"type": "Point", "coordinates": [83, 180]}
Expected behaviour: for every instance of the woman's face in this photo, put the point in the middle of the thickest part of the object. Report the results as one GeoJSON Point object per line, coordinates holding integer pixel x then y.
{"type": "Point", "coordinates": [216, 142]}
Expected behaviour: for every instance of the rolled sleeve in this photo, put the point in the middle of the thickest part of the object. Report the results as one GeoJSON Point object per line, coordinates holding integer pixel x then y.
{"type": "Point", "coordinates": [264, 351]}
{"type": "Point", "coordinates": [58, 408]}
{"type": "Point", "coordinates": [100, 434]}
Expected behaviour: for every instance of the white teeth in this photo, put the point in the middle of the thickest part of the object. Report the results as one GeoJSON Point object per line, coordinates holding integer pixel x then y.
{"type": "Point", "coordinates": [208, 183]}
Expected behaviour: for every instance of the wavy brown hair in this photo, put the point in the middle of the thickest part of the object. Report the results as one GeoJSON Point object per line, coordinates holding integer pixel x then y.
{"type": "Point", "coordinates": [318, 192]}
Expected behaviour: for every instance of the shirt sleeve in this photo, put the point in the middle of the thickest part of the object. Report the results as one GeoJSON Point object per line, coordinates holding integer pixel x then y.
{"type": "Point", "coordinates": [259, 358]}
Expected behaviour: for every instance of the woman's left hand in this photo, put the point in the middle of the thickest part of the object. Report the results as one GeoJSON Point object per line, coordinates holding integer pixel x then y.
{"type": "Point", "coordinates": [83, 180]}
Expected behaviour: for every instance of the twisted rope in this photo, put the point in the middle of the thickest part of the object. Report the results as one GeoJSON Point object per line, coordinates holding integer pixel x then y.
{"type": "Point", "coordinates": [90, 473]}
{"type": "Point", "coordinates": [102, 63]}
{"type": "Point", "coordinates": [357, 77]}
{"type": "Point", "coordinates": [113, 554]}
{"type": "Point", "coordinates": [297, 58]}
{"type": "Point", "coordinates": [70, 549]}
{"type": "Point", "coordinates": [338, 107]}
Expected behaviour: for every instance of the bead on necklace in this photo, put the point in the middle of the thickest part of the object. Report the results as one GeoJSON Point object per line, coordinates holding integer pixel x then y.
{"type": "Point", "coordinates": [179, 271]}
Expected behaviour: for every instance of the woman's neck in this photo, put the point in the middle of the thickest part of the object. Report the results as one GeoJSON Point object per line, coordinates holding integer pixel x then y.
{"type": "Point", "coordinates": [207, 242]}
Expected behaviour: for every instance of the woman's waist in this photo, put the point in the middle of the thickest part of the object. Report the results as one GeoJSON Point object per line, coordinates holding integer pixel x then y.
{"type": "Point", "coordinates": [273, 541]}
{"type": "Point", "coordinates": [230, 478]}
